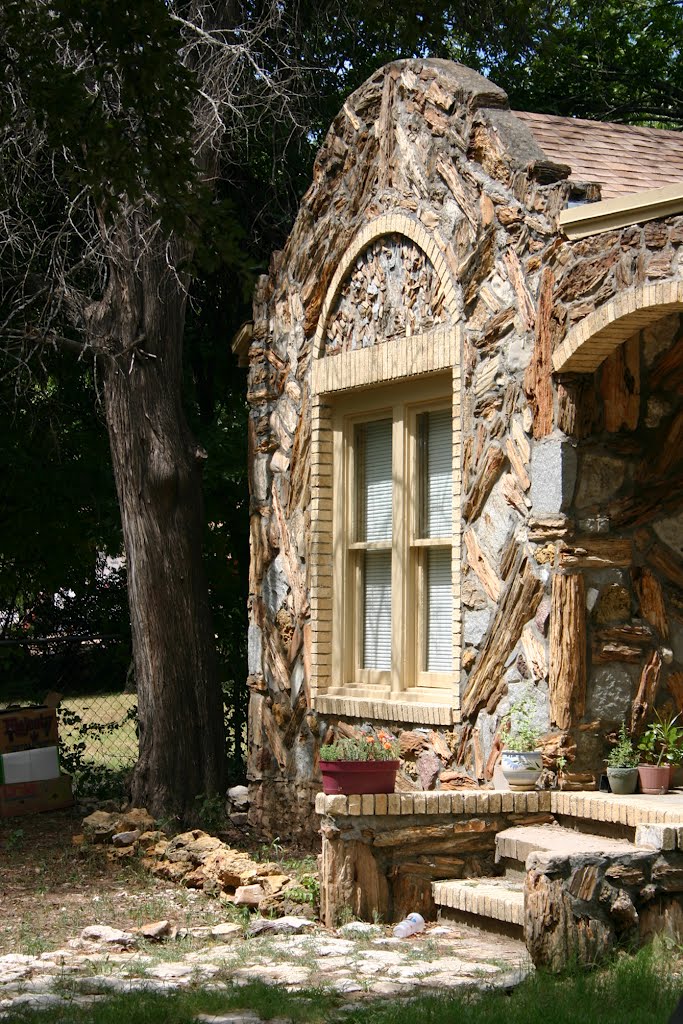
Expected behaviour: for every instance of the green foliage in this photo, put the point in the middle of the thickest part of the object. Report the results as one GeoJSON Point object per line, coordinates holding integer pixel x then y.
{"type": "Point", "coordinates": [63, 610]}
{"type": "Point", "coordinates": [307, 891]}
{"type": "Point", "coordinates": [120, 106]}
{"type": "Point", "coordinates": [598, 59]}
{"type": "Point", "coordinates": [519, 728]}
{"type": "Point", "coordinates": [14, 840]}
{"type": "Point", "coordinates": [371, 746]}
{"type": "Point", "coordinates": [210, 812]}
{"type": "Point", "coordinates": [662, 741]}
{"type": "Point", "coordinates": [623, 754]}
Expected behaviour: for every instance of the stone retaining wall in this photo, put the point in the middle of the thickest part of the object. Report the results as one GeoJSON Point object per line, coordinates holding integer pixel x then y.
{"type": "Point", "coordinates": [580, 907]}
{"type": "Point", "coordinates": [381, 853]}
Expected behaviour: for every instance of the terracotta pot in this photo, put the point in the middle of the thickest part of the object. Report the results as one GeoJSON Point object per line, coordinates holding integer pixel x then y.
{"type": "Point", "coordinates": [359, 776]}
{"type": "Point", "coordinates": [654, 779]}
{"type": "Point", "coordinates": [623, 781]}
{"type": "Point", "coordinates": [522, 768]}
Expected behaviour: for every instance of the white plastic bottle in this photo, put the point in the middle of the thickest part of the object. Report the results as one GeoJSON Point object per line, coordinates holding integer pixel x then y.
{"type": "Point", "coordinates": [410, 925]}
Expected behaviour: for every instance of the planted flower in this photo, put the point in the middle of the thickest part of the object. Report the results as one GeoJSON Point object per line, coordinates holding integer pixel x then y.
{"type": "Point", "coordinates": [381, 746]}
{"type": "Point", "coordinates": [363, 764]}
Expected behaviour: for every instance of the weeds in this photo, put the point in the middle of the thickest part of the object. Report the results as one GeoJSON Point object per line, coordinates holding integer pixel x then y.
{"type": "Point", "coordinates": [15, 839]}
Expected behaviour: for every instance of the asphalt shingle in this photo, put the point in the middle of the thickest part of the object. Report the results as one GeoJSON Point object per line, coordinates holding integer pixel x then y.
{"type": "Point", "coordinates": [622, 158]}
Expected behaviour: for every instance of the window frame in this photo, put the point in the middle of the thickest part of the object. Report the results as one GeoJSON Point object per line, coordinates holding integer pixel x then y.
{"type": "Point", "coordinates": [403, 402]}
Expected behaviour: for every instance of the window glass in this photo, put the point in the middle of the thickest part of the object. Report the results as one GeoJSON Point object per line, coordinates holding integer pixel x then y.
{"type": "Point", "coordinates": [377, 610]}
{"type": "Point", "coordinates": [436, 483]}
{"type": "Point", "coordinates": [439, 619]}
{"type": "Point", "coordinates": [375, 492]}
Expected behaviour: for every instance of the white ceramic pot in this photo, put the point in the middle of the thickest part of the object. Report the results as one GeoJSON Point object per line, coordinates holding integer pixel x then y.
{"type": "Point", "coordinates": [522, 768]}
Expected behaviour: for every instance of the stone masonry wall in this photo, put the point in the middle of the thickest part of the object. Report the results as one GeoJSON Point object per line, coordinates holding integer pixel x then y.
{"type": "Point", "coordinates": [436, 142]}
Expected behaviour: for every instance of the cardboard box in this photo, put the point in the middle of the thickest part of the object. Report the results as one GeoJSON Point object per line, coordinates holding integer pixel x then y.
{"type": "Point", "coordinates": [32, 797]}
{"type": "Point", "coordinates": [24, 728]}
{"type": "Point", "coordinates": [29, 765]}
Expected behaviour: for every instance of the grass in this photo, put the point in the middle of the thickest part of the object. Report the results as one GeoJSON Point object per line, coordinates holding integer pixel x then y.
{"type": "Point", "coordinates": [632, 990]}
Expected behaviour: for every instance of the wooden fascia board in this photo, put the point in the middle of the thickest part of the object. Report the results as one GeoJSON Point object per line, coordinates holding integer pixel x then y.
{"type": "Point", "coordinates": [611, 214]}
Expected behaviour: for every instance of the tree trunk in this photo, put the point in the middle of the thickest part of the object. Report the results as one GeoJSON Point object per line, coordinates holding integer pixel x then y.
{"type": "Point", "coordinates": [157, 468]}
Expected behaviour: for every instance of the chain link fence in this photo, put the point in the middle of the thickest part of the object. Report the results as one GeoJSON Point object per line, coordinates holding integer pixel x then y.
{"type": "Point", "coordinates": [87, 674]}
{"type": "Point", "coordinates": [97, 712]}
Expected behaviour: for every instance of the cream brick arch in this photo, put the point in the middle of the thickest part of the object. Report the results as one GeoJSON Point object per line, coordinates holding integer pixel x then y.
{"type": "Point", "coordinates": [395, 223]}
{"type": "Point", "coordinates": [601, 332]}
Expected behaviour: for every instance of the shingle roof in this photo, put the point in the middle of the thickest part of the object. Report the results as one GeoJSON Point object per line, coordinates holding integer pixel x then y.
{"type": "Point", "coordinates": [622, 158]}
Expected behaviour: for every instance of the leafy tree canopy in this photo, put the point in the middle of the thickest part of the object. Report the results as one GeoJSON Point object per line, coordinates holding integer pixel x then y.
{"type": "Point", "coordinates": [604, 59]}
{"type": "Point", "coordinates": [102, 79]}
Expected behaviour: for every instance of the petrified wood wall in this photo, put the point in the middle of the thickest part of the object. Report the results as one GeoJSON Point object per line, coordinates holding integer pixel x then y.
{"type": "Point", "coordinates": [436, 143]}
{"type": "Point", "coordinates": [381, 854]}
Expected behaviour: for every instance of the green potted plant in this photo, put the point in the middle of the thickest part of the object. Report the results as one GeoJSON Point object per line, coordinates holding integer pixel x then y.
{"type": "Point", "coordinates": [661, 748]}
{"type": "Point", "coordinates": [521, 761]}
{"type": "Point", "coordinates": [364, 764]}
{"type": "Point", "coordinates": [622, 765]}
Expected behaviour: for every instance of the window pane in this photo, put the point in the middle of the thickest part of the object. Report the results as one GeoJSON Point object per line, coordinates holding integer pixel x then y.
{"type": "Point", "coordinates": [439, 611]}
{"type": "Point", "coordinates": [436, 471]}
{"type": "Point", "coordinates": [375, 484]}
{"type": "Point", "coordinates": [377, 610]}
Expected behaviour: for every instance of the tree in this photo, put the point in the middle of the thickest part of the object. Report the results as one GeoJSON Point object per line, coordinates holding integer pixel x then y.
{"type": "Point", "coordinates": [596, 59]}
{"type": "Point", "coordinates": [98, 260]}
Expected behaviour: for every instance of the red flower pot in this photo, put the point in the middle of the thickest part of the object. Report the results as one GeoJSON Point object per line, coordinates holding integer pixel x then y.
{"type": "Point", "coordinates": [358, 776]}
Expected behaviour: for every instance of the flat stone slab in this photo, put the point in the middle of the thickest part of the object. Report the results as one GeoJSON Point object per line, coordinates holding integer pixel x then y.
{"type": "Point", "coordinates": [639, 809]}
{"type": "Point", "coordinates": [364, 967]}
{"type": "Point", "coordinates": [499, 899]}
{"type": "Point", "coordinates": [518, 842]}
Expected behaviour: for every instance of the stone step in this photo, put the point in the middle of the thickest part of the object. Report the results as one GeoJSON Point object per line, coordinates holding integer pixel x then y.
{"type": "Point", "coordinates": [498, 899]}
{"type": "Point", "coordinates": [513, 845]}
{"type": "Point", "coordinates": [610, 809]}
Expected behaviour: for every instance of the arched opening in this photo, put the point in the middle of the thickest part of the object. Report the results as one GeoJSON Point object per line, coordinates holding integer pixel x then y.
{"type": "Point", "coordinates": [603, 331]}
{"type": "Point", "coordinates": [628, 511]}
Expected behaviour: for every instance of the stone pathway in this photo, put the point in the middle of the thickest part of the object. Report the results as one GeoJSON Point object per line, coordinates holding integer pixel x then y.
{"type": "Point", "coordinates": [358, 961]}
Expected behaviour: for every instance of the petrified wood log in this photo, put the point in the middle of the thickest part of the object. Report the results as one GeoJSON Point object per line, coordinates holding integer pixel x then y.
{"type": "Point", "coordinates": [487, 474]}
{"type": "Point", "coordinates": [555, 934]}
{"type": "Point", "coordinates": [652, 607]}
{"type": "Point", "coordinates": [517, 605]}
{"type": "Point", "coordinates": [647, 690]}
{"type": "Point", "coordinates": [667, 373]}
{"type": "Point", "coordinates": [652, 500]}
{"type": "Point", "coordinates": [663, 559]}
{"type": "Point", "coordinates": [517, 462]}
{"type": "Point", "coordinates": [577, 411]}
{"type": "Point", "coordinates": [480, 564]}
{"type": "Point", "coordinates": [620, 386]}
{"type": "Point", "coordinates": [350, 878]}
{"type": "Point", "coordinates": [596, 553]}
{"type": "Point", "coordinates": [567, 650]}
{"type": "Point", "coordinates": [675, 686]}
{"type": "Point", "coordinates": [538, 381]}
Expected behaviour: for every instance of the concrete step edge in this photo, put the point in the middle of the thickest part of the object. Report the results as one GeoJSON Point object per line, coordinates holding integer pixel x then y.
{"type": "Point", "coordinates": [483, 897]}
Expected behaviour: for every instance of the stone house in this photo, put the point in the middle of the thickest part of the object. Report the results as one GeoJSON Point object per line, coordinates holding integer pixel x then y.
{"type": "Point", "coordinates": [465, 376]}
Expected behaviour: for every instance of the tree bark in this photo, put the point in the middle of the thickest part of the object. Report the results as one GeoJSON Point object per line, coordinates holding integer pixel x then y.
{"type": "Point", "coordinates": [157, 468]}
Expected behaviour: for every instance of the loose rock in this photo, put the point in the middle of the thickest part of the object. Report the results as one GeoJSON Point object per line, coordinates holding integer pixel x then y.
{"type": "Point", "coordinates": [102, 933]}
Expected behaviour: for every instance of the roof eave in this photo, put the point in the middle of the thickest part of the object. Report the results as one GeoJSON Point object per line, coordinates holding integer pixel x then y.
{"type": "Point", "coordinates": [611, 214]}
